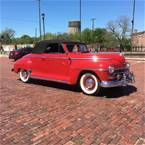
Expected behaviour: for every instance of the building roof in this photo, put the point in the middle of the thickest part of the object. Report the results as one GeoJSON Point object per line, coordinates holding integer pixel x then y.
{"type": "Point", "coordinates": [138, 33]}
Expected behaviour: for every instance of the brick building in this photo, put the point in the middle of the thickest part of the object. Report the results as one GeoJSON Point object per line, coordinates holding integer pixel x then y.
{"type": "Point", "coordinates": [138, 41]}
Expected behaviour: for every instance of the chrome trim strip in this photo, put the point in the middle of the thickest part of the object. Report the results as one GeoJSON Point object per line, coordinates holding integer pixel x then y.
{"type": "Point", "coordinates": [54, 80]}
{"type": "Point", "coordinates": [122, 68]}
{"type": "Point", "coordinates": [47, 57]}
{"type": "Point", "coordinates": [96, 69]}
{"type": "Point", "coordinates": [90, 58]}
{"type": "Point", "coordinates": [105, 70]}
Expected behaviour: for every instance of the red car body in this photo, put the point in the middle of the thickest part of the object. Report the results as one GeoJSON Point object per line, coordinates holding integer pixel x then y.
{"type": "Point", "coordinates": [67, 66]}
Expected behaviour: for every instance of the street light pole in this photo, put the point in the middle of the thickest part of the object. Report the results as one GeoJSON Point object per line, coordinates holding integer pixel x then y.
{"type": "Point", "coordinates": [39, 7]}
{"type": "Point", "coordinates": [43, 20]}
{"type": "Point", "coordinates": [132, 30]}
{"type": "Point", "coordinates": [93, 28]}
{"type": "Point", "coordinates": [133, 14]}
{"type": "Point", "coordinates": [80, 20]}
{"type": "Point", "coordinates": [35, 32]}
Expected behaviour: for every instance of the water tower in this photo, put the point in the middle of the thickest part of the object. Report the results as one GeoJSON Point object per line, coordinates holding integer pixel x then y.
{"type": "Point", "coordinates": [73, 27]}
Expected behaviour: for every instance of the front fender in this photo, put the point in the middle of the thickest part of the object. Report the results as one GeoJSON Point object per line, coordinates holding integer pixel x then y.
{"type": "Point", "coordinates": [77, 67]}
{"type": "Point", "coordinates": [23, 63]}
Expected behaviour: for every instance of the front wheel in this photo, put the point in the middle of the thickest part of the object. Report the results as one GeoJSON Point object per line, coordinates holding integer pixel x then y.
{"type": "Point", "coordinates": [24, 75]}
{"type": "Point", "coordinates": [89, 84]}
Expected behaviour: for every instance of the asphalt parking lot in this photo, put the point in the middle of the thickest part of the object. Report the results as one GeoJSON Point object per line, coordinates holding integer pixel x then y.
{"type": "Point", "coordinates": [47, 113]}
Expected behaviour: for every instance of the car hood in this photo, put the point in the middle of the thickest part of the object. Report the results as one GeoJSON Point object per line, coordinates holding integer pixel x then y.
{"type": "Point", "coordinates": [114, 59]}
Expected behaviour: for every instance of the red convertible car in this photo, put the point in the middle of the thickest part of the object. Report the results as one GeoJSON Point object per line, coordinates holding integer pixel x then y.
{"type": "Point", "coordinates": [71, 63]}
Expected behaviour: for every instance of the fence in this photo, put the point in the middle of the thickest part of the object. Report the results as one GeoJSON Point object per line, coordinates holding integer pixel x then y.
{"type": "Point", "coordinates": [138, 49]}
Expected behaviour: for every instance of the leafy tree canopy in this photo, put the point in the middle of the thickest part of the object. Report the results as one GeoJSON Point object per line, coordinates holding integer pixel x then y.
{"type": "Point", "coordinates": [7, 35]}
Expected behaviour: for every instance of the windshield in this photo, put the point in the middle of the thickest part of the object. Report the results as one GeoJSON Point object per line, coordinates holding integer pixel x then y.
{"type": "Point", "coordinates": [77, 47]}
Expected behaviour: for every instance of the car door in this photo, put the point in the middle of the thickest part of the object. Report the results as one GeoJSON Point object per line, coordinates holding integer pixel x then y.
{"type": "Point", "coordinates": [37, 60]}
{"type": "Point", "coordinates": [56, 62]}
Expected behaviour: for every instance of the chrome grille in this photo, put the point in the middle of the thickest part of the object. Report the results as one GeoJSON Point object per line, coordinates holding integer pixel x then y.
{"type": "Point", "coordinates": [118, 74]}
{"type": "Point", "coordinates": [119, 71]}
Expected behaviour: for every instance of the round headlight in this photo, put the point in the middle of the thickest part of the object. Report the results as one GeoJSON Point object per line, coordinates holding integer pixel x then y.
{"type": "Point", "coordinates": [111, 69]}
{"type": "Point", "coordinates": [127, 65]}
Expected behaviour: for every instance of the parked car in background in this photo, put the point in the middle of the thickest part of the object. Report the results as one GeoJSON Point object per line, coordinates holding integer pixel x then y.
{"type": "Point", "coordinates": [19, 53]}
{"type": "Point", "coordinates": [71, 63]}
{"type": "Point", "coordinates": [12, 54]}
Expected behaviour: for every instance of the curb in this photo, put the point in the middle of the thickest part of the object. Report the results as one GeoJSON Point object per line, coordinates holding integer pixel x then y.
{"type": "Point", "coordinates": [138, 59]}
{"type": "Point", "coordinates": [3, 55]}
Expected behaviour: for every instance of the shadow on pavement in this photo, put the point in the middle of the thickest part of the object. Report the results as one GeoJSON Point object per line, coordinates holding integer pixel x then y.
{"type": "Point", "coordinates": [105, 92]}
{"type": "Point", "coordinates": [55, 85]}
{"type": "Point", "coordinates": [117, 92]}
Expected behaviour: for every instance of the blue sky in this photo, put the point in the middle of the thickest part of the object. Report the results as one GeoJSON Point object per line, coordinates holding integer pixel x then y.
{"type": "Point", "coordinates": [22, 15]}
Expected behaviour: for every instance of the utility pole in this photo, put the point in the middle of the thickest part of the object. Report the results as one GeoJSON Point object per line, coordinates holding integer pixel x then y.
{"type": "Point", "coordinates": [93, 28]}
{"type": "Point", "coordinates": [133, 14]}
{"type": "Point", "coordinates": [35, 34]}
{"type": "Point", "coordinates": [132, 30]}
{"type": "Point", "coordinates": [43, 20]}
{"type": "Point", "coordinates": [80, 20]}
{"type": "Point", "coordinates": [39, 7]}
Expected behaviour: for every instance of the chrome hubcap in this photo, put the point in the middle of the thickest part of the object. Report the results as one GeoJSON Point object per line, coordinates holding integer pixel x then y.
{"type": "Point", "coordinates": [24, 74]}
{"type": "Point", "coordinates": [89, 83]}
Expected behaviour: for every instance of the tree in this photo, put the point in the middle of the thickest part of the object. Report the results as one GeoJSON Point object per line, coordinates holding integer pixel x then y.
{"type": "Point", "coordinates": [110, 41]}
{"type": "Point", "coordinates": [120, 29]}
{"type": "Point", "coordinates": [87, 36]}
{"type": "Point", "coordinates": [50, 36]}
{"type": "Point", "coordinates": [63, 36]}
{"type": "Point", "coordinates": [74, 37]}
{"type": "Point", "coordinates": [7, 35]}
{"type": "Point", "coordinates": [99, 35]}
{"type": "Point", "coordinates": [25, 39]}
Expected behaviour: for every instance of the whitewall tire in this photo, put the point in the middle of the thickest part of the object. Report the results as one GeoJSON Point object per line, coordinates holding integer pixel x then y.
{"type": "Point", "coordinates": [24, 75]}
{"type": "Point", "coordinates": [89, 84]}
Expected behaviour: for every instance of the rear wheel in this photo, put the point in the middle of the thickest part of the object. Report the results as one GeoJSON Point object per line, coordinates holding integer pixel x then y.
{"type": "Point", "coordinates": [24, 75]}
{"type": "Point", "coordinates": [89, 84]}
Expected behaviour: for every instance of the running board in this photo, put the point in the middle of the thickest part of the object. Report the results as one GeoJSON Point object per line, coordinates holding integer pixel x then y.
{"type": "Point", "coordinates": [53, 80]}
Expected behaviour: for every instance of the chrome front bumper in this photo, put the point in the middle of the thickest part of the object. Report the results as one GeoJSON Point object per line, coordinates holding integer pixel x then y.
{"type": "Point", "coordinates": [127, 78]}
